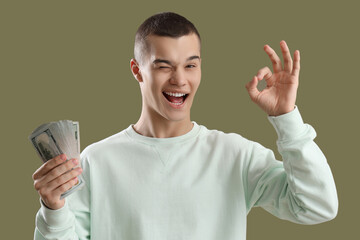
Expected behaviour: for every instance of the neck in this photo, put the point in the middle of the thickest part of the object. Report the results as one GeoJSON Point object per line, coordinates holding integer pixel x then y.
{"type": "Point", "coordinates": [159, 127]}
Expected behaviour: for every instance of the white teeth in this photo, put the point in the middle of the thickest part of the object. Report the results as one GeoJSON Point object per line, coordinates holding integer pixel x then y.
{"type": "Point", "coordinates": [175, 94]}
{"type": "Point", "coordinates": [177, 103]}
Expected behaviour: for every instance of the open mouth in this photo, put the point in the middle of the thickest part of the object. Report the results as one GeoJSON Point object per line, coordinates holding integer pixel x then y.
{"type": "Point", "coordinates": [175, 98]}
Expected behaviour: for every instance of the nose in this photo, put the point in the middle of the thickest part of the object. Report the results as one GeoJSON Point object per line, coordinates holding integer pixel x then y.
{"type": "Point", "coordinates": [178, 77]}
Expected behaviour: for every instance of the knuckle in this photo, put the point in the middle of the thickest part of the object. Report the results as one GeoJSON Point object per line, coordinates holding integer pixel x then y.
{"type": "Point", "coordinates": [58, 157]}
{"type": "Point", "coordinates": [58, 161]}
{"type": "Point", "coordinates": [62, 169]}
{"type": "Point", "coordinates": [55, 172]}
{"type": "Point", "coordinates": [46, 198]}
{"type": "Point", "coordinates": [64, 187]}
{"type": "Point", "coordinates": [74, 173]}
{"type": "Point", "coordinates": [46, 166]}
{"type": "Point", "coordinates": [262, 70]}
{"type": "Point", "coordinates": [69, 164]}
{"type": "Point", "coordinates": [43, 193]}
{"type": "Point", "coordinates": [51, 161]}
{"type": "Point", "coordinates": [37, 185]}
{"type": "Point", "coordinates": [55, 161]}
{"type": "Point", "coordinates": [59, 180]}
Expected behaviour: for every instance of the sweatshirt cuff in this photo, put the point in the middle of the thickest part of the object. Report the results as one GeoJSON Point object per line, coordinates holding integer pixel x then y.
{"type": "Point", "coordinates": [56, 217]}
{"type": "Point", "coordinates": [289, 125]}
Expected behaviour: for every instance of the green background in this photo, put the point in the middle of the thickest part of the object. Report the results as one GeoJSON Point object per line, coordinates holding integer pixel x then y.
{"type": "Point", "coordinates": [70, 60]}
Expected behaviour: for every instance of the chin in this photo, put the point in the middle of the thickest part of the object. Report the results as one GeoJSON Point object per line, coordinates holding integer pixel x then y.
{"type": "Point", "coordinates": [177, 117]}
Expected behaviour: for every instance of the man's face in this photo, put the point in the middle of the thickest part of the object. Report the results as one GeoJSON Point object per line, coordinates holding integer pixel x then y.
{"type": "Point", "coordinates": [171, 68]}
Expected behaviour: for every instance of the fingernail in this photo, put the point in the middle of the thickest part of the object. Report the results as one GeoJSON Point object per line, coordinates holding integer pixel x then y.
{"type": "Point", "coordinates": [75, 161]}
{"type": "Point", "coordinates": [63, 157]}
{"type": "Point", "coordinates": [79, 170]}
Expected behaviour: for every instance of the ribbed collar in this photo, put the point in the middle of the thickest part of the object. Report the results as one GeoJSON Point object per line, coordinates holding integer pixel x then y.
{"type": "Point", "coordinates": [151, 140]}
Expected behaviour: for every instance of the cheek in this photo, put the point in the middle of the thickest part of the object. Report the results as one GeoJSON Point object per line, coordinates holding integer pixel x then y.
{"type": "Point", "coordinates": [197, 80]}
{"type": "Point", "coordinates": [156, 83]}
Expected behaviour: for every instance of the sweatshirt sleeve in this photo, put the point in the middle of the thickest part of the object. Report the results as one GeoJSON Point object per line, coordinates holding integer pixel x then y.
{"type": "Point", "coordinates": [301, 188]}
{"type": "Point", "coordinates": [72, 221]}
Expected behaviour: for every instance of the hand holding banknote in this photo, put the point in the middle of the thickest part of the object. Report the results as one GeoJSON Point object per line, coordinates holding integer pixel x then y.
{"type": "Point", "coordinates": [58, 145]}
{"type": "Point", "coordinates": [55, 177]}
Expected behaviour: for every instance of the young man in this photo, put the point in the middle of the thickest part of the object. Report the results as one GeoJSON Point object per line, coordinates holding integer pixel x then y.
{"type": "Point", "coordinates": [166, 177]}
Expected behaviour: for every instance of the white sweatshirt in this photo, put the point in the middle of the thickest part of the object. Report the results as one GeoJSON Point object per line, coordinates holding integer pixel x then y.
{"type": "Point", "coordinates": [197, 186]}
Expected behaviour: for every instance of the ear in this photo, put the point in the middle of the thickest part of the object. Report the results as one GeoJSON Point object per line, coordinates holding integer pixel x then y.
{"type": "Point", "coordinates": [135, 69]}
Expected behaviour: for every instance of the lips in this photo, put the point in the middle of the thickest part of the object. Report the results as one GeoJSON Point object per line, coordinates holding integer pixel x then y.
{"type": "Point", "coordinates": [175, 98]}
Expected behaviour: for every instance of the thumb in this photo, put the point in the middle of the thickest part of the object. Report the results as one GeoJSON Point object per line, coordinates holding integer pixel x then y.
{"type": "Point", "coordinates": [252, 88]}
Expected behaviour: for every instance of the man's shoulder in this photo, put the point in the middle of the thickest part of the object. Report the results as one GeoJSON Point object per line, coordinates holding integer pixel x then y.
{"type": "Point", "coordinates": [108, 143]}
{"type": "Point", "coordinates": [229, 142]}
{"type": "Point", "coordinates": [219, 137]}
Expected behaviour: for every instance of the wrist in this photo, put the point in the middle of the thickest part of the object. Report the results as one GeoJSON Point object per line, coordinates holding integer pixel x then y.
{"type": "Point", "coordinates": [281, 111]}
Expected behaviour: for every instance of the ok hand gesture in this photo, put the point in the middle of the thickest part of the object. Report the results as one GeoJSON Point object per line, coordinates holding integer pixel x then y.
{"type": "Point", "coordinates": [279, 96]}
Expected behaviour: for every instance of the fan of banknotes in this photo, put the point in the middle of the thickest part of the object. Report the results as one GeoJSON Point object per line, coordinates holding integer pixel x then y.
{"type": "Point", "coordinates": [55, 138]}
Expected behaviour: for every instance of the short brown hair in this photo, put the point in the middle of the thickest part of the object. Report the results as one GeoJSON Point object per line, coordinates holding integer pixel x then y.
{"type": "Point", "coordinates": [168, 24]}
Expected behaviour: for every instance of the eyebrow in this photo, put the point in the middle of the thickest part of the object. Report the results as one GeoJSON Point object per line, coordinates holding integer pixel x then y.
{"type": "Point", "coordinates": [158, 60]}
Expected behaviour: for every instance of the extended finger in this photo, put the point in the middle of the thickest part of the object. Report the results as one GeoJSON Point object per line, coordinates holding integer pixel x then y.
{"type": "Point", "coordinates": [252, 88]}
{"type": "Point", "coordinates": [296, 68]}
{"type": "Point", "coordinates": [287, 57]}
{"type": "Point", "coordinates": [276, 62]}
{"type": "Point", "coordinates": [48, 166]}
{"type": "Point", "coordinates": [55, 183]}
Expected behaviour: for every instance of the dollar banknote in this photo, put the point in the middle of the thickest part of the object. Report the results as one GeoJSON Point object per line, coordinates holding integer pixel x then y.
{"type": "Point", "coordinates": [55, 138]}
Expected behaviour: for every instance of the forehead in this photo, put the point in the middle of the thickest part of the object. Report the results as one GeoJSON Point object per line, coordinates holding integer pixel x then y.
{"type": "Point", "coordinates": [173, 49]}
